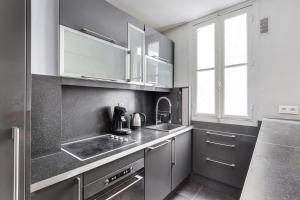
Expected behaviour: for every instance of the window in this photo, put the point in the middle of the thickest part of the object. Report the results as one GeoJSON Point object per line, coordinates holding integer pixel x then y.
{"type": "Point", "coordinates": [223, 73]}
{"type": "Point", "coordinates": [206, 69]}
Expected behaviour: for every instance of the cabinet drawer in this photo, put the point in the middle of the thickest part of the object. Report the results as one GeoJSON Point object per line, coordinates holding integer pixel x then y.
{"type": "Point", "coordinates": [226, 148]}
{"type": "Point", "coordinates": [231, 173]}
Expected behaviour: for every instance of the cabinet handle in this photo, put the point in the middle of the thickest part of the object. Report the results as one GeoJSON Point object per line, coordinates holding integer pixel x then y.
{"type": "Point", "coordinates": [158, 146]}
{"type": "Point", "coordinates": [16, 138]}
{"type": "Point", "coordinates": [219, 134]}
{"type": "Point", "coordinates": [221, 144]}
{"type": "Point", "coordinates": [79, 188]}
{"type": "Point", "coordinates": [221, 163]}
{"type": "Point", "coordinates": [174, 152]}
{"type": "Point", "coordinates": [103, 79]}
{"type": "Point", "coordinates": [95, 34]}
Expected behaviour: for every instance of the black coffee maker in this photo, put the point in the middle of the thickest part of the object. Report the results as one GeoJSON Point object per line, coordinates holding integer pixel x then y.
{"type": "Point", "coordinates": [121, 122]}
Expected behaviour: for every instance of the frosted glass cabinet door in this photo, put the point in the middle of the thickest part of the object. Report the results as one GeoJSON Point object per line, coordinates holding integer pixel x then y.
{"type": "Point", "coordinates": [151, 71]}
{"type": "Point", "coordinates": [165, 75]}
{"type": "Point", "coordinates": [136, 45]}
{"type": "Point", "coordinates": [159, 73]}
{"type": "Point", "coordinates": [83, 55]}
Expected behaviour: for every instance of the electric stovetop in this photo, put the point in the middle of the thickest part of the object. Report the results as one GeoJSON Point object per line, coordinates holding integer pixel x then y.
{"type": "Point", "coordinates": [96, 146]}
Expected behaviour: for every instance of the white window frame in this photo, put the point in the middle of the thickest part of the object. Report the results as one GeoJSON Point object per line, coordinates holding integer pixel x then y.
{"type": "Point", "coordinates": [218, 19]}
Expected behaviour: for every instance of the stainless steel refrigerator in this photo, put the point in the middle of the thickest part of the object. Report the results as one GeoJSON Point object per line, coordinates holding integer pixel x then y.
{"type": "Point", "coordinates": [14, 102]}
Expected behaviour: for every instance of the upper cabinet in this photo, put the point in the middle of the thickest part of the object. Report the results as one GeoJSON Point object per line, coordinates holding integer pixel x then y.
{"type": "Point", "coordinates": [98, 16]}
{"type": "Point", "coordinates": [97, 40]}
{"type": "Point", "coordinates": [86, 56]}
{"type": "Point", "coordinates": [159, 46]}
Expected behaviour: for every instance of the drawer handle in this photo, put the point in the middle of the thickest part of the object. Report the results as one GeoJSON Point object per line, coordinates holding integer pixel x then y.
{"type": "Point", "coordinates": [219, 134]}
{"type": "Point", "coordinates": [221, 144]}
{"type": "Point", "coordinates": [221, 163]}
{"type": "Point", "coordinates": [158, 146]}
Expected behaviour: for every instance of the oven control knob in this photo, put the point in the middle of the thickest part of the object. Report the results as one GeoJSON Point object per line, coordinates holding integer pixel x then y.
{"type": "Point", "coordinates": [106, 182]}
{"type": "Point", "coordinates": [126, 139]}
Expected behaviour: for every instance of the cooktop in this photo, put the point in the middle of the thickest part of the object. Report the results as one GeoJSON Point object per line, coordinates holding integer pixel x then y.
{"type": "Point", "coordinates": [91, 147]}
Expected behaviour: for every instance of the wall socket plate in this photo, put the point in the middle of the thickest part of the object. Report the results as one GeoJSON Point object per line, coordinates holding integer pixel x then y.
{"type": "Point", "coordinates": [290, 110]}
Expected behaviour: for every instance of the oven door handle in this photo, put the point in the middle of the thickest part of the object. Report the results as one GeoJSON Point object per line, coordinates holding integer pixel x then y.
{"type": "Point", "coordinates": [138, 177]}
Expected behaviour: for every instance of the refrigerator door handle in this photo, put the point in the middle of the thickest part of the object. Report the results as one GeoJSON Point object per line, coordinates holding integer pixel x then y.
{"type": "Point", "coordinates": [16, 138]}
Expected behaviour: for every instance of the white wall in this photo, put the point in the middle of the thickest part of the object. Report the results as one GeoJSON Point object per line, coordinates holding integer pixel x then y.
{"type": "Point", "coordinates": [278, 57]}
{"type": "Point", "coordinates": [180, 36]}
{"type": "Point", "coordinates": [44, 36]}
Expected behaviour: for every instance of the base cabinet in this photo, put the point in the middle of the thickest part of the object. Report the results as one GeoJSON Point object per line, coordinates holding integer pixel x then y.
{"type": "Point", "coordinates": [158, 171]}
{"type": "Point", "coordinates": [167, 165]}
{"type": "Point", "coordinates": [222, 156]}
{"type": "Point", "coordinates": [70, 189]}
{"type": "Point", "coordinates": [181, 161]}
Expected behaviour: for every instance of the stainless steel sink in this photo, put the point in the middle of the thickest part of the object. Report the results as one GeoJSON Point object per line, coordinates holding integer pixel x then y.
{"type": "Point", "coordinates": [170, 128]}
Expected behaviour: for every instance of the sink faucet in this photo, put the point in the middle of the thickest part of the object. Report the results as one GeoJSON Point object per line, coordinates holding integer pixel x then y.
{"type": "Point", "coordinates": [156, 114]}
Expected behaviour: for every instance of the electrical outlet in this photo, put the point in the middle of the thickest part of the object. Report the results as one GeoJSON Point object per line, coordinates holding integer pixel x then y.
{"type": "Point", "coordinates": [291, 110]}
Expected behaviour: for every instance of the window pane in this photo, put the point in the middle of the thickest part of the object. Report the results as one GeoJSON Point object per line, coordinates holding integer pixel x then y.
{"type": "Point", "coordinates": [206, 47]}
{"type": "Point", "coordinates": [236, 40]}
{"type": "Point", "coordinates": [206, 92]}
{"type": "Point", "coordinates": [235, 99]}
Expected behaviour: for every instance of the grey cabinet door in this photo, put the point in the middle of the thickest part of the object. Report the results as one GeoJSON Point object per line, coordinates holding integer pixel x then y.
{"type": "Point", "coordinates": [98, 16]}
{"type": "Point", "coordinates": [70, 189]}
{"type": "Point", "coordinates": [13, 99]}
{"type": "Point", "coordinates": [158, 171]}
{"type": "Point", "coordinates": [158, 45]}
{"type": "Point", "coordinates": [181, 158]}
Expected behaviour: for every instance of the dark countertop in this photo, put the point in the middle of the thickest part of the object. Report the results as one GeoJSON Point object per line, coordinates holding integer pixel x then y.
{"type": "Point", "coordinates": [274, 172]}
{"type": "Point", "coordinates": [57, 167]}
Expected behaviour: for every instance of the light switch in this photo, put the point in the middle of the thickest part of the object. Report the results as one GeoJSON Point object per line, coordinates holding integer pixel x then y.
{"type": "Point", "coordinates": [291, 110]}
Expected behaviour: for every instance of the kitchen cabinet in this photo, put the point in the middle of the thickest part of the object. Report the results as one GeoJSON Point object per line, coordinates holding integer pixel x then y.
{"type": "Point", "coordinates": [222, 156]}
{"type": "Point", "coordinates": [167, 165]}
{"type": "Point", "coordinates": [15, 103]}
{"type": "Point", "coordinates": [159, 73]}
{"type": "Point", "coordinates": [159, 46]}
{"type": "Point", "coordinates": [86, 56]}
{"type": "Point", "coordinates": [158, 171]}
{"type": "Point", "coordinates": [66, 190]}
{"type": "Point", "coordinates": [136, 46]}
{"type": "Point", "coordinates": [181, 158]}
{"type": "Point", "coordinates": [98, 16]}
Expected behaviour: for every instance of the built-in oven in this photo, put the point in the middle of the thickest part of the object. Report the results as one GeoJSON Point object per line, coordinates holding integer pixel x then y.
{"type": "Point", "coordinates": [124, 184]}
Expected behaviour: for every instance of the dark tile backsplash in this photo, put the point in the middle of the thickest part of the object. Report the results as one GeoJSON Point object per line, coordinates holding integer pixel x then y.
{"type": "Point", "coordinates": [62, 113]}
{"type": "Point", "coordinates": [45, 115]}
{"type": "Point", "coordinates": [88, 111]}
{"type": "Point", "coordinates": [176, 98]}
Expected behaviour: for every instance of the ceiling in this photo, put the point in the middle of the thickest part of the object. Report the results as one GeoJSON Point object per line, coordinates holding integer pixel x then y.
{"type": "Point", "coordinates": [165, 14]}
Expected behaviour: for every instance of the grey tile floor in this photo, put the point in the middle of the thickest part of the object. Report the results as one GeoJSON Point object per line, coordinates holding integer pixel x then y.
{"type": "Point", "coordinates": [194, 191]}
